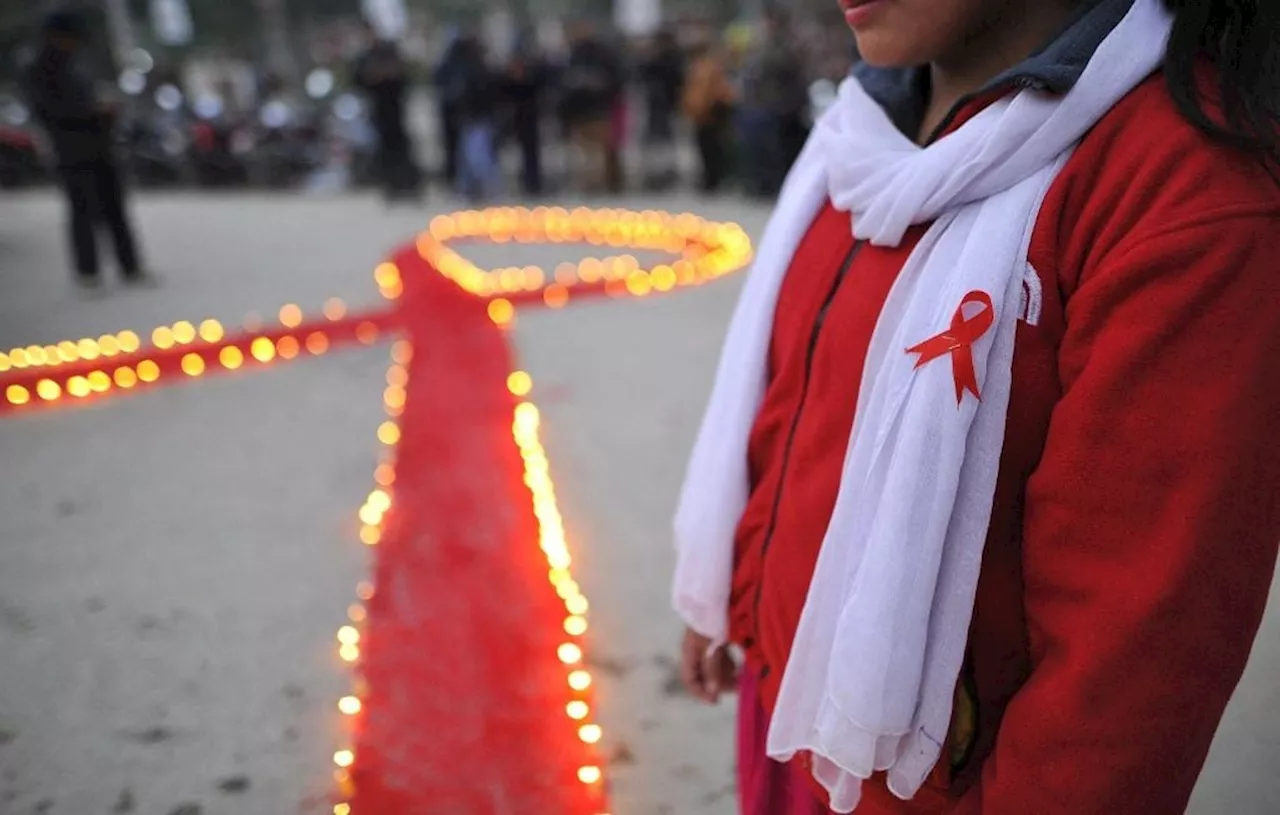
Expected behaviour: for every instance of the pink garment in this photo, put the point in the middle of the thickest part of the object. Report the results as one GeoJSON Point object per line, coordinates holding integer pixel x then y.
{"type": "Point", "coordinates": [619, 121]}
{"type": "Point", "coordinates": [766, 787]}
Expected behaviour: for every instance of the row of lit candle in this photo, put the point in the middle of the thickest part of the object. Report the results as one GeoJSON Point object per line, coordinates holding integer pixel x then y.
{"type": "Point", "coordinates": [147, 371]}
{"type": "Point", "coordinates": [162, 338]}
{"type": "Point", "coordinates": [196, 363]}
{"type": "Point", "coordinates": [618, 227]}
{"type": "Point", "coordinates": [372, 515]}
{"type": "Point", "coordinates": [41, 356]}
{"type": "Point", "coordinates": [551, 540]}
{"type": "Point", "coordinates": [706, 250]}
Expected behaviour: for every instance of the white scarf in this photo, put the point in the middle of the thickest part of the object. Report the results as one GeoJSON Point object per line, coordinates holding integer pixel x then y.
{"type": "Point", "coordinates": [873, 669]}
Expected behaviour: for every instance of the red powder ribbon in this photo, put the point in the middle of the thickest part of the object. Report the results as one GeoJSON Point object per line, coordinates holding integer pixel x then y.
{"type": "Point", "coordinates": [958, 341]}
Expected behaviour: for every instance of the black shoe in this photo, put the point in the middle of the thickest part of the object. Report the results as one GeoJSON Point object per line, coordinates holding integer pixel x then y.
{"type": "Point", "coordinates": [91, 284]}
{"type": "Point", "coordinates": [141, 280]}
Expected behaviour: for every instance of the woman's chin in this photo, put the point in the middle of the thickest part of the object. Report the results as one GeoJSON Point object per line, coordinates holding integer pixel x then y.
{"type": "Point", "coordinates": [885, 51]}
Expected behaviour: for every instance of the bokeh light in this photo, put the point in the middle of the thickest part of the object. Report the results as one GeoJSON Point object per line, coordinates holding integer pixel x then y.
{"type": "Point", "coordinates": [77, 386]}
{"type": "Point", "coordinates": [184, 333]}
{"type": "Point", "coordinates": [290, 316]}
{"type": "Point", "coordinates": [334, 308]}
{"type": "Point", "coordinates": [49, 390]}
{"type": "Point", "coordinates": [211, 331]}
{"type": "Point", "coordinates": [231, 357]}
{"type": "Point", "coordinates": [317, 343]}
{"type": "Point", "coordinates": [520, 383]}
{"type": "Point", "coordinates": [262, 349]}
{"type": "Point", "coordinates": [125, 377]}
{"type": "Point", "coordinates": [148, 371]}
{"type": "Point", "coordinates": [88, 349]}
{"type": "Point", "coordinates": [349, 705]}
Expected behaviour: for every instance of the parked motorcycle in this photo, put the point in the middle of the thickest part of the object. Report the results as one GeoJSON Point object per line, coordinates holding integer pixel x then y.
{"type": "Point", "coordinates": [286, 146]}
{"type": "Point", "coordinates": [219, 145]}
{"type": "Point", "coordinates": [156, 139]}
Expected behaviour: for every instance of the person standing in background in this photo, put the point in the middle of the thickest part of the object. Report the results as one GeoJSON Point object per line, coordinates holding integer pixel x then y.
{"type": "Point", "coordinates": [662, 77]}
{"type": "Point", "coordinates": [79, 126]}
{"type": "Point", "coordinates": [708, 104]}
{"type": "Point", "coordinates": [524, 85]}
{"type": "Point", "coordinates": [591, 88]}
{"type": "Point", "coordinates": [479, 175]}
{"type": "Point", "coordinates": [382, 74]}
{"type": "Point", "coordinates": [450, 89]}
{"type": "Point", "coordinates": [775, 97]}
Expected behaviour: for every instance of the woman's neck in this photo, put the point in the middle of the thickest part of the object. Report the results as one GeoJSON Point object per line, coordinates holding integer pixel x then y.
{"type": "Point", "coordinates": [989, 52]}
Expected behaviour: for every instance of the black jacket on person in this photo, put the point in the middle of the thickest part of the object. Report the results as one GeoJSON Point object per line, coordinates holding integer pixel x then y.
{"type": "Point", "coordinates": [478, 89]}
{"type": "Point", "coordinates": [663, 77]}
{"type": "Point", "coordinates": [62, 96]}
{"type": "Point", "coordinates": [524, 87]}
{"type": "Point", "coordinates": [591, 81]}
{"type": "Point", "coordinates": [381, 73]}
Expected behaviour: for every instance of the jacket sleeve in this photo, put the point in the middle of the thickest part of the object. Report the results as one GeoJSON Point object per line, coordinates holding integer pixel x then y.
{"type": "Point", "coordinates": [1151, 524]}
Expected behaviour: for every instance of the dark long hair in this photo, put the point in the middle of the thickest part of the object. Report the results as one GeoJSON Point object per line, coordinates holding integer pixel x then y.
{"type": "Point", "coordinates": [1241, 38]}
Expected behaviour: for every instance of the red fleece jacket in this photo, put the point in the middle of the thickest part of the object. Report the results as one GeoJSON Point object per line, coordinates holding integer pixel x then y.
{"type": "Point", "coordinates": [1137, 513]}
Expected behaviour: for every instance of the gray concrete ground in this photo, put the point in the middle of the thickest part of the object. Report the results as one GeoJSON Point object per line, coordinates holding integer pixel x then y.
{"type": "Point", "coordinates": [173, 564]}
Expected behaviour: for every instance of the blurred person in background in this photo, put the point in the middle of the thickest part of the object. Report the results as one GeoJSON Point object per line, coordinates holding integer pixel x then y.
{"type": "Point", "coordinates": [662, 74]}
{"type": "Point", "coordinates": [479, 106]}
{"type": "Point", "coordinates": [524, 87]}
{"type": "Point", "coordinates": [735, 46]}
{"type": "Point", "coordinates": [383, 76]}
{"type": "Point", "coordinates": [80, 128]}
{"type": "Point", "coordinates": [590, 92]}
{"type": "Point", "coordinates": [620, 122]}
{"type": "Point", "coordinates": [450, 85]}
{"type": "Point", "coordinates": [775, 97]}
{"type": "Point", "coordinates": [989, 536]}
{"type": "Point", "coordinates": [708, 104]}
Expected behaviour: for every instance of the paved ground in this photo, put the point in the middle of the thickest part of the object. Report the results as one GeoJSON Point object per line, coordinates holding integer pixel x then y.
{"type": "Point", "coordinates": [173, 564]}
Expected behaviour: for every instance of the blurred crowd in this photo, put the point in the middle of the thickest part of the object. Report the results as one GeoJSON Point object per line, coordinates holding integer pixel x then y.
{"type": "Point", "coordinates": [595, 113]}
{"type": "Point", "coordinates": [619, 113]}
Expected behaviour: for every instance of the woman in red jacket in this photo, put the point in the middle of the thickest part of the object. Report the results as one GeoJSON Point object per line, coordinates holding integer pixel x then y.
{"type": "Point", "coordinates": [985, 493]}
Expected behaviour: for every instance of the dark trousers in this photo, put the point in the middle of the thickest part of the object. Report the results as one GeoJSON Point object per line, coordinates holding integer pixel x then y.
{"type": "Point", "coordinates": [96, 198]}
{"type": "Point", "coordinates": [713, 152]}
{"type": "Point", "coordinates": [528, 134]}
{"type": "Point", "coordinates": [451, 131]}
{"type": "Point", "coordinates": [769, 139]}
{"type": "Point", "coordinates": [397, 169]}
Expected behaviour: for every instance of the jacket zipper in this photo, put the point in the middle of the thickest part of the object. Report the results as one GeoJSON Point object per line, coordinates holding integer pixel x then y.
{"type": "Point", "coordinates": [795, 421]}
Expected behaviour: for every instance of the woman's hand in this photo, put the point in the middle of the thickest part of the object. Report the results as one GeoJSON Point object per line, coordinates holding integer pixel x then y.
{"type": "Point", "coordinates": [706, 672]}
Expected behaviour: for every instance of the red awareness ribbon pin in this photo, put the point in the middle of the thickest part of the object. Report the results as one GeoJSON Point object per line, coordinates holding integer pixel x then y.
{"type": "Point", "coordinates": [958, 341]}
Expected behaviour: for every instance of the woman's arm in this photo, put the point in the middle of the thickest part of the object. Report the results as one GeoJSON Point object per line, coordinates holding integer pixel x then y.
{"type": "Point", "coordinates": [1152, 522]}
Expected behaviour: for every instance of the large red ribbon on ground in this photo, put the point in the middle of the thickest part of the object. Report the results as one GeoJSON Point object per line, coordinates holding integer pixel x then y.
{"type": "Point", "coordinates": [958, 341]}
